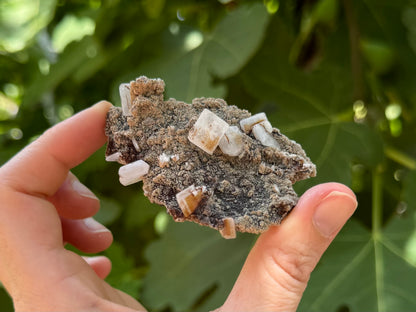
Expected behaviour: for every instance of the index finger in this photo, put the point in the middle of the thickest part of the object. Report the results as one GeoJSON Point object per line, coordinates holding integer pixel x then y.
{"type": "Point", "coordinates": [41, 167]}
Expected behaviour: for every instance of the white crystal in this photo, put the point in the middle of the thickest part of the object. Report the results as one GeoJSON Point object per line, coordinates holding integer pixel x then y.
{"type": "Point", "coordinates": [232, 142]}
{"type": "Point", "coordinates": [135, 144]}
{"type": "Point", "coordinates": [207, 131]}
{"type": "Point", "coordinates": [267, 125]}
{"type": "Point", "coordinates": [189, 198]}
{"type": "Point", "coordinates": [133, 172]}
{"type": "Point", "coordinates": [276, 189]}
{"type": "Point", "coordinates": [264, 137]}
{"type": "Point", "coordinates": [248, 123]}
{"type": "Point", "coordinates": [113, 157]}
{"type": "Point", "coordinates": [164, 160]}
{"type": "Point", "coordinates": [125, 97]}
{"type": "Point", "coordinates": [228, 232]}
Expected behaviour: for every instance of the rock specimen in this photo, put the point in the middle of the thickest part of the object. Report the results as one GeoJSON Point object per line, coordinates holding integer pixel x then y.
{"type": "Point", "coordinates": [207, 162]}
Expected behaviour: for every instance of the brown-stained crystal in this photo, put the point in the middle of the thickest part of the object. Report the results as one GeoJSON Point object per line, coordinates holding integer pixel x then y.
{"type": "Point", "coordinates": [245, 186]}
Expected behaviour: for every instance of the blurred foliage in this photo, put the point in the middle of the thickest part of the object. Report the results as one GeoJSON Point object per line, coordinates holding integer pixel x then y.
{"type": "Point", "coordinates": [336, 76]}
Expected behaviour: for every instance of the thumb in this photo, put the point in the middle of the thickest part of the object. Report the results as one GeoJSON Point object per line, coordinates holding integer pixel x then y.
{"type": "Point", "coordinates": [278, 267]}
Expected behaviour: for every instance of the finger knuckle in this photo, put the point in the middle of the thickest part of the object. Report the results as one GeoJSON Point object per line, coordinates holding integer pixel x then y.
{"type": "Point", "coordinates": [292, 266]}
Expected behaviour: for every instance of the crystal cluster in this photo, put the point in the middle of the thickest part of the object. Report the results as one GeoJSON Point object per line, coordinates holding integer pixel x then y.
{"type": "Point", "coordinates": [206, 162]}
{"type": "Point", "coordinates": [208, 131]}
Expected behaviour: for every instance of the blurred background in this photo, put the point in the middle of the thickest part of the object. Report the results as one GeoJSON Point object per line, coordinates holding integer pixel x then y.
{"type": "Point", "coordinates": [337, 76]}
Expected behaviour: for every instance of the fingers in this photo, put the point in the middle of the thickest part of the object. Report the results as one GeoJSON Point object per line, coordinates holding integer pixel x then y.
{"type": "Point", "coordinates": [27, 218]}
{"type": "Point", "coordinates": [87, 234]}
{"type": "Point", "coordinates": [75, 204]}
{"type": "Point", "coordinates": [278, 267]}
{"type": "Point", "coordinates": [101, 265]}
{"type": "Point", "coordinates": [73, 200]}
{"type": "Point", "coordinates": [42, 167]}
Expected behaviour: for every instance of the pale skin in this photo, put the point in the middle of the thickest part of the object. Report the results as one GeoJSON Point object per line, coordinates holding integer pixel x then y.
{"type": "Point", "coordinates": [43, 206]}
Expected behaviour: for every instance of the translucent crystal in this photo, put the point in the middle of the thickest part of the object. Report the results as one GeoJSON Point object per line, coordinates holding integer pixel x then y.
{"type": "Point", "coordinates": [135, 144]}
{"type": "Point", "coordinates": [124, 90]}
{"type": "Point", "coordinates": [264, 137]}
{"type": "Point", "coordinates": [207, 131]}
{"type": "Point", "coordinates": [133, 172]}
{"type": "Point", "coordinates": [189, 198]}
{"type": "Point", "coordinates": [228, 231]}
{"type": "Point", "coordinates": [248, 123]}
{"type": "Point", "coordinates": [232, 142]}
{"type": "Point", "coordinates": [164, 160]}
{"type": "Point", "coordinates": [276, 189]}
{"type": "Point", "coordinates": [267, 125]}
{"type": "Point", "coordinates": [113, 157]}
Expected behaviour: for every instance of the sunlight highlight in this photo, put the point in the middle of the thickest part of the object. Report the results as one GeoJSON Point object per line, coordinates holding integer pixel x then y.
{"type": "Point", "coordinates": [360, 111]}
{"type": "Point", "coordinates": [393, 111]}
{"type": "Point", "coordinates": [193, 40]}
{"type": "Point", "coordinates": [272, 6]}
{"type": "Point", "coordinates": [8, 108]}
{"type": "Point", "coordinates": [410, 249]}
{"type": "Point", "coordinates": [71, 28]}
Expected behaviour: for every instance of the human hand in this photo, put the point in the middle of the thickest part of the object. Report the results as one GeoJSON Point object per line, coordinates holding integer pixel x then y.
{"type": "Point", "coordinates": [44, 205]}
{"type": "Point", "coordinates": [278, 267]}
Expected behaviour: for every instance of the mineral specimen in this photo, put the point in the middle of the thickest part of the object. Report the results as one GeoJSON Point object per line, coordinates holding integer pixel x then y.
{"type": "Point", "coordinates": [195, 160]}
{"type": "Point", "coordinates": [133, 172]}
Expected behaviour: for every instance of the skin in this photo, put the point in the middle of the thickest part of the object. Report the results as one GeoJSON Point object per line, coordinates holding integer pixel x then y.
{"type": "Point", "coordinates": [44, 206]}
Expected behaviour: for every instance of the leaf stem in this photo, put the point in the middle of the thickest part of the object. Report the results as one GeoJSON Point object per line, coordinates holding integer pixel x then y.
{"type": "Point", "coordinates": [377, 201]}
{"type": "Point", "coordinates": [377, 218]}
{"type": "Point", "coordinates": [400, 157]}
{"type": "Point", "coordinates": [356, 62]}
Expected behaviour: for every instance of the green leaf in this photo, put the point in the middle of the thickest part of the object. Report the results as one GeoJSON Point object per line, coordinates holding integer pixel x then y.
{"type": "Point", "coordinates": [364, 272]}
{"type": "Point", "coordinates": [8, 108]}
{"type": "Point", "coordinates": [153, 8]}
{"type": "Point", "coordinates": [380, 56]}
{"type": "Point", "coordinates": [123, 274]}
{"type": "Point", "coordinates": [21, 21]}
{"type": "Point", "coordinates": [71, 28]}
{"type": "Point", "coordinates": [188, 261]}
{"type": "Point", "coordinates": [325, 11]}
{"type": "Point", "coordinates": [109, 211]}
{"type": "Point", "coordinates": [140, 211]}
{"type": "Point", "coordinates": [392, 23]}
{"type": "Point", "coordinates": [369, 271]}
{"type": "Point", "coordinates": [6, 303]}
{"type": "Point", "coordinates": [314, 109]}
{"type": "Point", "coordinates": [71, 60]}
{"type": "Point", "coordinates": [191, 60]}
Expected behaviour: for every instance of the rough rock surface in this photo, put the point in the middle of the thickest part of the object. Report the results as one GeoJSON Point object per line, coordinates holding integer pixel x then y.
{"type": "Point", "coordinates": [253, 189]}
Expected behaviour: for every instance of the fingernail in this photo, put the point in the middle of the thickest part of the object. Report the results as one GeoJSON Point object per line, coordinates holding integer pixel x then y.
{"type": "Point", "coordinates": [95, 226]}
{"type": "Point", "coordinates": [333, 211]}
{"type": "Point", "coordinates": [102, 106]}
{"type": "Point", "coordinates": [82, 190]}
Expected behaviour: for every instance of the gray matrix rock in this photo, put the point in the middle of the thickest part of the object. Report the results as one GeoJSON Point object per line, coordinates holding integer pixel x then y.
{"type": "Point", "coordinates": [207, 162]}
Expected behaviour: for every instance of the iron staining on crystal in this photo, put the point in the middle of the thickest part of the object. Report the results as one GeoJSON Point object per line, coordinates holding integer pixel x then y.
{"type": "Point", "coordinates": [207, 162]}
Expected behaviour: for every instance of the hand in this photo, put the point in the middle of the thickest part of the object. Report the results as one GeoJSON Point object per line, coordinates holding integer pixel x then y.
{"type": "Point", "coordinates": [278, 267]}
{"type": "Point", "coordinates": [43, 205]}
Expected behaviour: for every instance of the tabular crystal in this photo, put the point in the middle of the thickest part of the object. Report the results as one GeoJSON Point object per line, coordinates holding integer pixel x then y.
{"type": "Point", "coordinates": [228, 232]}
{"type": "Point", "coordinates": [264, 137]}
{"type": "Point", "coordinates": [189, 198]}
{"type": "Point", "coordinates": [133, 172]}
{"type": "Point", "coordinates": [125, 97]}
{"type": "Point", "coordinates": [246, 186]}
{"type": "Point", "coordinates": [232, 142]}
{"type": "Point", "coordinates": [207, 131]}
{"type": "Point", "coordinates": [248, 123]}
{"type": "Point", "coordinates": [113, 157]}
